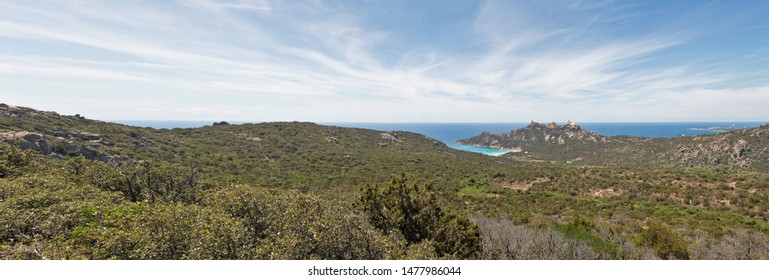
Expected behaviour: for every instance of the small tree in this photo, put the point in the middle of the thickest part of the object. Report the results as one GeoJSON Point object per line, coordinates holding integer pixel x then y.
{"type": "Point", "coordinates": [665, 242]}
{"type": "Point", "coordinates": [413, 210]}
{"type": "Point", "coordinates": [13, 161]}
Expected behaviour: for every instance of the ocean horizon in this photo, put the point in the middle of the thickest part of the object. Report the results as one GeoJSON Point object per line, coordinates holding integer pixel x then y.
{"type": "Point", "coordinates": [450, 132]}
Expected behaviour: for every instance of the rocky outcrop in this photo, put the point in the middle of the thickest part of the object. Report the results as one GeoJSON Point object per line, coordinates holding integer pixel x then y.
{"type": "Point", "coordinates": [572, 125]}
{"type": "Point", "coordinates": [332, 140]}
{"type": "Point", "coordinates": [392, 138]}
{"type": "Point", "coordinates": [534, 133]}
{"type": "Point", "coordinates": [744, 148]}
{"type": "Point", "coordinates": [62, 143]}
{"type": "Point", "coordinates": [28, 141]}
{"type": "Point", "coordinates": [722, 149]}
{"type": "Point", "coordinates": [85, 136]}
{"type": "Point", "coordinates": [92, 153]}
{"type": "Point", "coordinates": [11, 111]}
{"type": "Point", "coordinates": [249, 137]}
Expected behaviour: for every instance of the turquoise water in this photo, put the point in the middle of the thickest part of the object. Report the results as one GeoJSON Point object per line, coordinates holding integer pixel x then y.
{"type": "Point", "coordinates": [449, 132]}
{"type": "Point", "coordinates": [482, 150]}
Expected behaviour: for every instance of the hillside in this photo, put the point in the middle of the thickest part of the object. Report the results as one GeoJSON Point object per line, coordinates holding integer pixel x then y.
{"type": "Point", "coordinates": [271, 154]}
{"type": "Point", "coordinates": [75, 188]}
{"type": "Point", "coordinates": [744, 148]}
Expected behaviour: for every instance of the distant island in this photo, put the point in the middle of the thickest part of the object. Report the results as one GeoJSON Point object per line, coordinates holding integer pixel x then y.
{"type": "Point", "coordinates": [718, 128]}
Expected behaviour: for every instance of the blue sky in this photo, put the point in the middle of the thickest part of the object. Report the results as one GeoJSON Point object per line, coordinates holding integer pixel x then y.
{"type": "Point", "coordinates": [388, 61]}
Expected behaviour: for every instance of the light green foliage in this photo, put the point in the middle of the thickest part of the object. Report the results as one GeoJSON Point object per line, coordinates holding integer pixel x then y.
{"type": "Point", "coordinates": [160, 231]}
{"type": "Point", "coordinates": [37, 209]}
{"type": "Point", "coordinates": [72, 213]}
{"type": "Point", "coordinates": [292, 225]}
{"type": "Point", "coordinates": [13, 161]}
{"type": "Point", "coordinates": [581, 228]}
{"type": "Point", "coordinates": [139, 181]}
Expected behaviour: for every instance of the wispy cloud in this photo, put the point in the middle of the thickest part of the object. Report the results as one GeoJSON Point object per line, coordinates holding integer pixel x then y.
{"type": "Point", "coordinates": [330, 61]}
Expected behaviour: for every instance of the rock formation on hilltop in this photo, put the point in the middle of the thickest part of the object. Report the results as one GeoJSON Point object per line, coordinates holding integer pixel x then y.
{"type": "Point", "coordinates": [746, 148]}
{"type": "Point", "coordinates": [21, 126]}
{"type": "Point", "coordinates": [535, 132]}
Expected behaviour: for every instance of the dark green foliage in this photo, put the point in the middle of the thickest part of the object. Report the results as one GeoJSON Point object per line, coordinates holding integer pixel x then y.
{"type": "Point", "coordinates": [456, 237]}
{"type": "Point", "coordinates": [665, 242]}
{"type": "Point", "coordinates": [410, 209]}
{"type": "Point", "coordinates": [413, 210]}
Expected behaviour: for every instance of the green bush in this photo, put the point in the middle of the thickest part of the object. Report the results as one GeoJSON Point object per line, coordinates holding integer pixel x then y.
{"type": "Point", "coordinates": [13, 161]}
{"type": "Point", "coordinates": [665, 242]}
{"type": "Point", "coordinates": [581, 228]}
{"type": "Point", "coordinates": [160, 231]}
{"type": "Point", "coordinates": [413, 211]}
{"type": "Point", "coordinates": [292, 225]}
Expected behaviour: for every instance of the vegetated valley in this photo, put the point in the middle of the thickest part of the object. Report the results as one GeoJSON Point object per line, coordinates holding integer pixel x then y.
{"type": "Point", "coordinates": [75, 188]}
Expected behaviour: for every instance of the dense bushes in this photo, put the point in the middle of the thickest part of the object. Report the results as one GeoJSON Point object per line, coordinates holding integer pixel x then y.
{"type": "Point", "coordinates": [285, 191]}
{"type": "Point", "coordinates": [139, 181]}
{"type": "Point", "coordinates": [292, 225]}
{"type": "Point", "coordinates": [159, 231]}
{"type": "Point", "coordinates": [82, 209]}
{"type": "Point", "coordinates": [413, 211]}
{"type": "Point", "coordinates": [37, 209]}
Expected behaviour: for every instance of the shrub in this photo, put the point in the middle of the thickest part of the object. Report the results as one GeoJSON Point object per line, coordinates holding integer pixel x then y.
{"type": "Point", "coordinates": [665, 242]}
{"type": "Point", "coordinates": [413, 211]}
{"type": "Point", "coordinates": [13, 161]}
{"type": "Point", "coordinates": [292, 225]}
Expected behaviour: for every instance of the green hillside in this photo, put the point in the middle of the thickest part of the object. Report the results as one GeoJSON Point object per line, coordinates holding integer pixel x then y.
{"type": "Point", "coordinates": [76, 188]}
{"type": "Point", "coordinates": [745, 148]}
{"type": "Point", "coordinates": [271, 154]}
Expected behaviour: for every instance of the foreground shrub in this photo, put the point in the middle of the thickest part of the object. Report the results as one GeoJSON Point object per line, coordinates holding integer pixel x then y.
{"type": "Point", "coordinates": [665, 242]}
{"type": "Point", "coordinates": [413, 211]}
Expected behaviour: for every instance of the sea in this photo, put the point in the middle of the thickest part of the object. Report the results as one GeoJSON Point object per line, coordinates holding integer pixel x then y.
{"type": "Point", "coordinates": [449, 132]}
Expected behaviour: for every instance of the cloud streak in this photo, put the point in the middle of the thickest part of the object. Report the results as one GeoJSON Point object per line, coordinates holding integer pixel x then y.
{"type": "Point", "coordinates": [325, 61]}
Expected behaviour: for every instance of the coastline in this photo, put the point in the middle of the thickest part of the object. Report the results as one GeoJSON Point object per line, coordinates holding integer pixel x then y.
{"type": "Point", "coordinates": [479, 149]}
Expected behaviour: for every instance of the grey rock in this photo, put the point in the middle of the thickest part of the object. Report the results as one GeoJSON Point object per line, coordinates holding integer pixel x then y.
{"type": "Point", "coordinates": [28, 141]}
